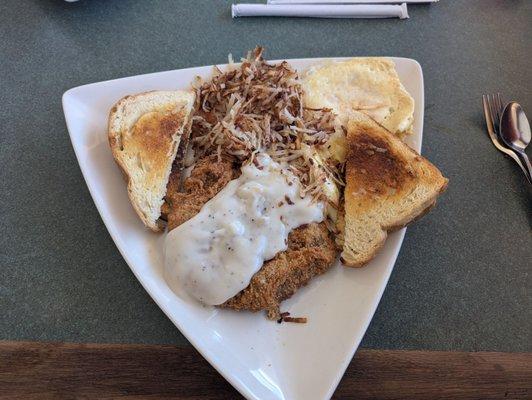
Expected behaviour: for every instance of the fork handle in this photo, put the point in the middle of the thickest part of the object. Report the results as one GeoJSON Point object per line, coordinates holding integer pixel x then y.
{"type": "Point", "coordinates": [527, 168]}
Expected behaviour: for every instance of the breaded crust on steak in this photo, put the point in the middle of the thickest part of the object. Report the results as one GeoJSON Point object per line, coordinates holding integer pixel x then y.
{"type": "Point", "coordinates": [311, 251]}
{"type": "Point", "coordinates": [208, 177]}
{"type": "Point", "coordinates": [311, 248]}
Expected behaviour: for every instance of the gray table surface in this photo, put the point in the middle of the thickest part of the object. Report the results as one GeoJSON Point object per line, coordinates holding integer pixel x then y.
{"type": "Point", "coordinates": [461, 281]}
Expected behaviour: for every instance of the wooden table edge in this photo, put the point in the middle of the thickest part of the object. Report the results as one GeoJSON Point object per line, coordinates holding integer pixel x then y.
{"type": "Point", "coordinates": [37, 370]}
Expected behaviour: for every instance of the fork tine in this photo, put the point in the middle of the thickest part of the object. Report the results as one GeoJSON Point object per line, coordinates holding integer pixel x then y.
{"type": "Point", "coordinates": [496, 116]}
{"type": "Point", "coordinates": [487, 109]}
{"type": "Point", "coordinates": [500, 106]}
{"type": "Point", "coordinates": [493, 112]}
{"type": "Point", "coordinates": [497, 112]}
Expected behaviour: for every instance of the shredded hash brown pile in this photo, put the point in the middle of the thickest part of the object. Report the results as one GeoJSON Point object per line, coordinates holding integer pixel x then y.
{"type": "Point", "coordinates": [258, 107]}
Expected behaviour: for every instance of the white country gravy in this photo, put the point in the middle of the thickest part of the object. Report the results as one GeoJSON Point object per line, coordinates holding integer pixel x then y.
{"type": "Point", "coordinates": [214, 255]}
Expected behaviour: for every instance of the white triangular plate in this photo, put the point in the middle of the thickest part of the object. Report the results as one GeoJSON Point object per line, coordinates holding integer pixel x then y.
{"type": "Point", "coordinates": [260, 358]}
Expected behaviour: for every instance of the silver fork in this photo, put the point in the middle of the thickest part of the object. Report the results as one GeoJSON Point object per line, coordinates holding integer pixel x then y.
{"type": "Point", "coordinates": [493, 108]}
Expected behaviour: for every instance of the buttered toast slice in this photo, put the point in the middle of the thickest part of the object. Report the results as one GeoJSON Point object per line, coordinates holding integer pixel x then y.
{"type": "Point", "coordinates": [145, 131]}
{"type": "Point", "coordinates": [388, 185]}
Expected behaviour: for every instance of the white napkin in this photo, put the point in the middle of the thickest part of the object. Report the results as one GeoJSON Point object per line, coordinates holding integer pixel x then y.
{"type": "Point", "coordinates": [349, 1]}
{"type": "Point", "coordinates": [320, 10]}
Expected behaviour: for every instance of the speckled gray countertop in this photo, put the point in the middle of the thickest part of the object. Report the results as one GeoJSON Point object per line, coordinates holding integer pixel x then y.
{"type": "Point", "coordinates": [462, 279]}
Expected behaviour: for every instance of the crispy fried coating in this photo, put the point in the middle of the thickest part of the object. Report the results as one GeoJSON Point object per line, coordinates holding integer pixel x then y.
{"type": "Point", "coordinates": [208, 177]}
{"type": "Point", "coordinates": [311, 248]}
{"type": "Point", "coordinates": [311, 251]}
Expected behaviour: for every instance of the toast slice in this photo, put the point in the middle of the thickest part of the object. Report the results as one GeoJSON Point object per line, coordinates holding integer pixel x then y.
{"type": "Point", "coordinates": [145, 132]}
{"type": "Point", "coordinates": [388, 185]}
